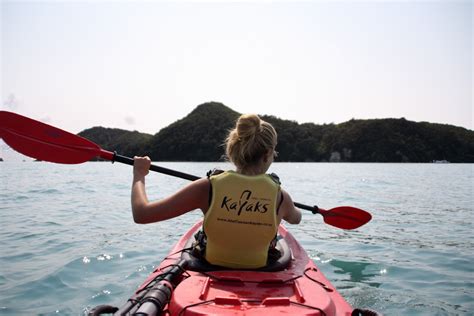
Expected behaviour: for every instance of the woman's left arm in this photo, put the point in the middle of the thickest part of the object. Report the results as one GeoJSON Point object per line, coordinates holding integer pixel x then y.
{"type": "Point", "coordinates": [288, 210]}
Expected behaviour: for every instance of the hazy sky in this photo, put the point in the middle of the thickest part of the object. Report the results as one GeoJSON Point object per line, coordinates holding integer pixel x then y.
{"type": "Point", "coordinates": [143, 65]}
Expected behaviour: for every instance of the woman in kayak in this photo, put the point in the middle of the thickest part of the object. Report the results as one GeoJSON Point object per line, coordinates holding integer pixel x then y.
{"type": "Point", "coordinates": [242, 208]}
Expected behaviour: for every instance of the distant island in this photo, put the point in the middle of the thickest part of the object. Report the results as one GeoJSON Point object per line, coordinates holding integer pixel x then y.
{"type": "Point", "coordinates": [199, 137]}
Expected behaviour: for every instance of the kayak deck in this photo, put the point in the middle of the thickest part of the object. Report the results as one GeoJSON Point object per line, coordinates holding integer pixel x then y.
{"type": "Point", "coordinates": [300, 289]}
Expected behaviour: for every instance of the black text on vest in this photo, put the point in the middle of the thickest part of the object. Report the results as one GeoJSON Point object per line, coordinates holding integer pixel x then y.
{"type": "Point", "coordinates": [244, 204]}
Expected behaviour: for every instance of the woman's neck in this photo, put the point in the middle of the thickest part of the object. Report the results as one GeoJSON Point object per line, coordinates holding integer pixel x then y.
{"type": "Point", "coordinates": [251, 170]}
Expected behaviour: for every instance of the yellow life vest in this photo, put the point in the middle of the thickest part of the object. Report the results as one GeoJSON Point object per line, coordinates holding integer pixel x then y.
{"type": "Point", "coordinates": [241, 220]}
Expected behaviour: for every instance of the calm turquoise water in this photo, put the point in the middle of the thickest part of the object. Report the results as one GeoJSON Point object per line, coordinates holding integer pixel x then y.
{"type": "Point", "coordinates": [68, 241]}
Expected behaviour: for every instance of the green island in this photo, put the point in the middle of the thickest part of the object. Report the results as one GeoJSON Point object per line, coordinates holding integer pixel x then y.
{"type": "Point", "coordinates": [199, 137]}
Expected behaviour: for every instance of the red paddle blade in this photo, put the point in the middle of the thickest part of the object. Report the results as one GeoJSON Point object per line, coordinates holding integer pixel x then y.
{"type": "Point", "coordinates": [44, 142]}
{"type": "Point", "coordinates": [346, 217]}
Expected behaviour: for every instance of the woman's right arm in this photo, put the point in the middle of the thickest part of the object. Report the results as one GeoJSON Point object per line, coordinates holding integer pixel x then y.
{"type": "Point", "coordinates": [191, 197]}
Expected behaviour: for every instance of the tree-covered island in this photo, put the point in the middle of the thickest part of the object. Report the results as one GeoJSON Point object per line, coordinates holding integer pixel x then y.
{"type": "Point", "coordinates": [199, 137]}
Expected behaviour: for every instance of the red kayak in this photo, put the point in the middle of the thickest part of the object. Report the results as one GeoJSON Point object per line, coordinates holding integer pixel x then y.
{"type": "Point", "coordinates": [185, 285]}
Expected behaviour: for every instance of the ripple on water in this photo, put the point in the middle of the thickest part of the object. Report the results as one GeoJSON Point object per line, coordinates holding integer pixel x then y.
{"type": "Point", "coordinates": [44, 191]}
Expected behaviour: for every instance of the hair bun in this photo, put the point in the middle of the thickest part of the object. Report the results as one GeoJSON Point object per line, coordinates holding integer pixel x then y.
{"type": "Point", "coordinates": [250, 140]}
{"type": "Point", "coordinates": [248, 126]}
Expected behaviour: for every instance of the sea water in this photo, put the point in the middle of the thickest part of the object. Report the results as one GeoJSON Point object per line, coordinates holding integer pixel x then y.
{"type": "Point", "coordinates": [68, 241]}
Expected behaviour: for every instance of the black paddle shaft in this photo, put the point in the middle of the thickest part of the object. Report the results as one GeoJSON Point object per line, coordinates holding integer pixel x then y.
{"type": "Point", "coordinates": [187, 176]}
{"type": "Point", "coordinates": [174, 173]}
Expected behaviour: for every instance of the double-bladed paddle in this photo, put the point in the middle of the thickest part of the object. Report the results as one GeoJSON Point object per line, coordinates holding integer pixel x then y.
{"type": "Point", "coordinates": [47, 143]}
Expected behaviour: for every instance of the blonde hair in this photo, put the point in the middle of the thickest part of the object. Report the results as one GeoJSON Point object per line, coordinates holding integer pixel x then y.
{"type": "Point", "coordinates": [251, 138]}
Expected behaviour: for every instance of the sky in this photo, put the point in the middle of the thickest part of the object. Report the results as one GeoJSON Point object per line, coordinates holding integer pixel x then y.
{"type": "Point", "coordinates": [143, 65]}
